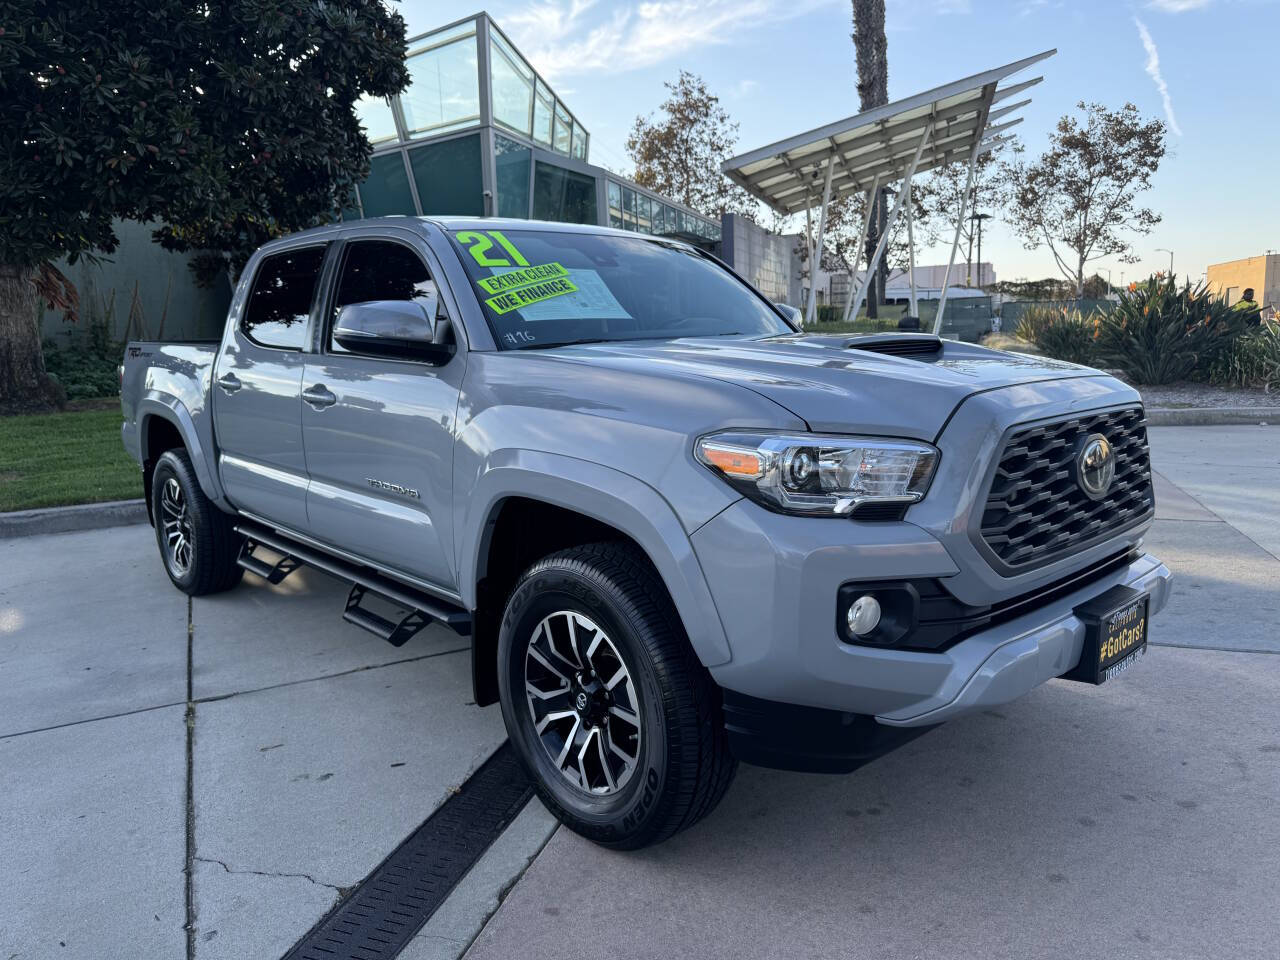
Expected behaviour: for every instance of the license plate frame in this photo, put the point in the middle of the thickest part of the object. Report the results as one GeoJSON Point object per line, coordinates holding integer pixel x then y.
{"type": "Point", "coordinates": [1116, 624]}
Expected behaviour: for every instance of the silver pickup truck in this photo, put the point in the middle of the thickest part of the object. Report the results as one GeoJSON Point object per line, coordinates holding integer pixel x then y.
{"type": "Point", "coordinates": [679, 532]}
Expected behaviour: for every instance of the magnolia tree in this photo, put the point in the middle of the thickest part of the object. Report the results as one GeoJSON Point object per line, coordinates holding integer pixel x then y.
{"type": "Point", "coordinates": [1080, 197]}
{"type": "Point", "coordinates": [229, 123]}
{"type": "Point", "coordinates": [678, 153]}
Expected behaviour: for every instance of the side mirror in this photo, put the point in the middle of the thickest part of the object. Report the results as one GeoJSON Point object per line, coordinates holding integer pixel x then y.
{"type": "Point", "coordinates": [406, 329]}
{"type": "Point", "coordinates": [791, 313]}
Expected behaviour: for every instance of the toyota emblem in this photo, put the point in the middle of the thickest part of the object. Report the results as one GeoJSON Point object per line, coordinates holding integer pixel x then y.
{"type": "Point", "coordinates": [1095, 466]}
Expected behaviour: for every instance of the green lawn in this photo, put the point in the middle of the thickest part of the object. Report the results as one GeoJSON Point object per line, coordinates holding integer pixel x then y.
{"type": "Point", "coordinates": [50, 459]}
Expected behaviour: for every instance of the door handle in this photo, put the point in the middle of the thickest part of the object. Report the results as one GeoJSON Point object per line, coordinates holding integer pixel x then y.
{"type": "Point", "coordinates": [319, 396]}
{"type": "Point", "coordinates": [229, 382]}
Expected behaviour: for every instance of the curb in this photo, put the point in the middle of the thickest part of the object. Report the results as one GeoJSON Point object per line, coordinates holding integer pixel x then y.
{"type": "Point", "coordinates": [1210, 416]}
{"type": "Point", "coordinates": [84, 516]}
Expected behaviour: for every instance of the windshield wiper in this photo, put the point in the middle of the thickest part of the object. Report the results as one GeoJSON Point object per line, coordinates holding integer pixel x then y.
{"type": "Point", "coordinates": [568, 343]}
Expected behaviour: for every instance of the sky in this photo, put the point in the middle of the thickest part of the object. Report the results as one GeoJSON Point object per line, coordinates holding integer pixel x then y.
{"type": "Point", "coordinates": [1209, 68]}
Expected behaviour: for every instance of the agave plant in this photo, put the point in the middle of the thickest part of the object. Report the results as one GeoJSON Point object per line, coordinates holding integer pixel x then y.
{"type": "Point", "coordinates": [1059, 332]}
{"type": "Point", "coordinates": [1159, 333]}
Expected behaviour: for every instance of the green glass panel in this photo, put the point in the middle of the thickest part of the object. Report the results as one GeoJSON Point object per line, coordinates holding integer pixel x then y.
{"type": "Point", "coordinates": [542, 111]}
{"type": "Point", "coordinates": [560, 194]}
{"type": "Point", "coordinates": [579, 141]}
{"type": "Point", "coordinates": [444, 88]}
{"type": "Point", "coordinates": [375, 116]}
{"type": "Point", "coordinates": [386, 192]}
{"type": "Point", "coordinates": [513, 161]}
{"type": "Point", "coordinates": [564, 127]}
{"type": "Point", "coordinates": [448, 177]}
{"type": "Point", "coordinates": [512, 86]}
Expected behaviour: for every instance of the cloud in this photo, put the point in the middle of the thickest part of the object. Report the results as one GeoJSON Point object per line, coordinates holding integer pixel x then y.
{"type": "Point", "coordinates": [1177, 6]}
{"type": "Point", "coordinates": [1153, 70]}
{"type": "Point", "coordinates": [944, 7]}
{"type": "Point", "coordinates": [566, 37]}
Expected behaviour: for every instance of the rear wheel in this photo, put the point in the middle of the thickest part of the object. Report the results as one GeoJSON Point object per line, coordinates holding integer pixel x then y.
{"type": "Point", "coordinates": [605, 701]}
{"type": "Point", "coordinates": [197, 541]}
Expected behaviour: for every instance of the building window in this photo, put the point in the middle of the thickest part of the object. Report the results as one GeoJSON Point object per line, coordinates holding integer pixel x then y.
{"type": "Point", "coordinates": [543, 109]}
{"type": "Point", "coordinates": [375, 115]}
{"type": "Point", "coordinates": [447, 175]}
{"type": "Point", "coordinates": [444, 83]}
{"type": "Point", "coordinates": [560, 194]}
{"type": "Point", "coordinates": [512, 160]}
{"type": "Point", "coordinates": [628, 208]}
{"type": "Point", "coordinates": [644, 214]}
{"type": "Point", "coordinates": [615, 205]}
{"type": "Point", "coordinates": [579, 141]}
{"type": "Point", "coordinates": [512, 86]}
{"type": "Point", "coordinates": [564, 128]}
{"type": "Point", "coordinates": [386, 192]}
{"type": "Point", "coordinates": [280, 304]}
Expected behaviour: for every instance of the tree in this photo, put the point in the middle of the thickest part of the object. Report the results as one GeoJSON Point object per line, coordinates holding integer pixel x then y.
{"type": "Point", "coordinates": [229, 123]}
{"type": "Point", "coordinates": [1080, 197]}
{"type": "Point", "coordinates": [987, 195]}
{"type": "Point", "coordinates": [679, 153]}
{"type": "Point", "coordinates": [871, 53]}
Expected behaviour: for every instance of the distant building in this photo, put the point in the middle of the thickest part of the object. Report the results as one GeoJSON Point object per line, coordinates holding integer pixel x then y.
{"type": "Point", "coordinates": [479, 132]}
{"type": "Point", "coordinates": [1230, 280]}
{"type": "Point", "coordinates": [928, 283]}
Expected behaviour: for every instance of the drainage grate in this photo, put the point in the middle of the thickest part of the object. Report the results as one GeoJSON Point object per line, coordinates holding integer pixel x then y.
{"type": "Point", "coordinates": [379, 918]}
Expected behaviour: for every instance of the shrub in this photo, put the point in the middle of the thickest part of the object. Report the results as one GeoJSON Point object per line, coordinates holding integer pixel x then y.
{"type": "Point", "coordinates": [1253, 360]}
{"type": "Point", "coordinates": [1161, 334]}
{"type": "Point", "coordinates": [1059, 333]}
{"type": "Point", "coordinates": [87, 366]}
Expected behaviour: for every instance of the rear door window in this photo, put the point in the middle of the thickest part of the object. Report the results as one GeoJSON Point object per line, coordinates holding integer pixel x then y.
{"type": "Point", "coordinates": [280, 304]}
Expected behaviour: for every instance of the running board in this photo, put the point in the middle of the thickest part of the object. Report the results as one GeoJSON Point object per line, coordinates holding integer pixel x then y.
{"type": "Point", "coordinates": [366, 580]}
{"type": "Point", "coordinates": [396, 633]}
{"type": "Point", "coordinates": [273, 573]}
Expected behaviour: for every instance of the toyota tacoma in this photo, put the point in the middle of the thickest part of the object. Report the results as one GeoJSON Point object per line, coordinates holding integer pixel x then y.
{"type": "Point", "coordinates": [680, 532]}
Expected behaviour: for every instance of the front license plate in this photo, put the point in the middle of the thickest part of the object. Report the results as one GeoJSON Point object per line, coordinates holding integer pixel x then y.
{"type": "Point", "coordinates": [1115, 634]}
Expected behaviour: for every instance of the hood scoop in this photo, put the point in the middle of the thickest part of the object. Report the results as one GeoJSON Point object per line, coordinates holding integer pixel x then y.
{"type": "Point", "coordinates": [898, 344]}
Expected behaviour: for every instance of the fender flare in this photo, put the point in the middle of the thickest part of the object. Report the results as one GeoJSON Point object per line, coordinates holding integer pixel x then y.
{"type": "Point", "coordinates": [167, 407]}
{"type": "Point", "coordinates": [614, 498]}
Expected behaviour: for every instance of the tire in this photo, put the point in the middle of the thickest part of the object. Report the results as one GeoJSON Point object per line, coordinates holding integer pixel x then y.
{"type": "Point", "coordinates": [197, 542]}
{"type": "Point", "coordinates": [622, 783]}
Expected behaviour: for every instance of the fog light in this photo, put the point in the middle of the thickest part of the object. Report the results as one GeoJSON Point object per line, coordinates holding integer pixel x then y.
{"type": "Point", "coordinates": [864, 615]}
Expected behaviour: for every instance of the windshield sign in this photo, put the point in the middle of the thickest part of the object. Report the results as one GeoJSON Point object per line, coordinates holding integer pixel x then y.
{"type": "Point", "coordinates": [550, 288]}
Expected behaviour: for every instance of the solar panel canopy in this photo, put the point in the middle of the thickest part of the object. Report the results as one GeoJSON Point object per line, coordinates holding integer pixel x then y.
{"type": "Point", "coordinates": [879, 145]}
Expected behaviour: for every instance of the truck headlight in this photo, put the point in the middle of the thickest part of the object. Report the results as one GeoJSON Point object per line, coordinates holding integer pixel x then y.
{"type": "Point", "coordinates": [817, 474]}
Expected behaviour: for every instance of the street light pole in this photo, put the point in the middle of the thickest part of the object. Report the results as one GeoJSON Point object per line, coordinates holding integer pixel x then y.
{"type": "Point", "coordinates": [980, 217]}
{"type": "Point", "coordinates": [1170, 253]}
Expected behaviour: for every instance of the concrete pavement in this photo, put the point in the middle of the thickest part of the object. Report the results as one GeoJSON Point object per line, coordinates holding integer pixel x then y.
{"type": "Point", "coordinates": [1135, 819]}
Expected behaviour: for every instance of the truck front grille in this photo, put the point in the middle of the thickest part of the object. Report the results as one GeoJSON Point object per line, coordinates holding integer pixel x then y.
{"type": "Point", "coordinates": [1037, 512]}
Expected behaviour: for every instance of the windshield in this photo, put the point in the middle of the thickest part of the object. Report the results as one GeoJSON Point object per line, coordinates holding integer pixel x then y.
{"type": "Point", "coordinates": [546, 288]}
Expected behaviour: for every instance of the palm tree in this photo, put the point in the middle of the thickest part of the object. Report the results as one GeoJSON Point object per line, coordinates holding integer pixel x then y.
{"type": "Point", "coordinates": [871, 51]}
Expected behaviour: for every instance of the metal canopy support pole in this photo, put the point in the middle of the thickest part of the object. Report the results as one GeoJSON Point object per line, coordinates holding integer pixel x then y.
{"type": "Point", "coordinates": [862, 238]}
{"type": "Point", "coordinates": [893, 219]}
{"type": "Point", "coordinates": [808, 245]}
{"type": "Point", "coordinates": [811, 307]}
{"type": "Point", "coordinates": [955, 243]}
{"type": "Point", "coordinates": [911, 254]}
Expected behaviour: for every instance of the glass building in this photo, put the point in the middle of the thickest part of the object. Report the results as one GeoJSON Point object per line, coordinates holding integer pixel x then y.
{"type": "Point", "coordinates": [479, 133]}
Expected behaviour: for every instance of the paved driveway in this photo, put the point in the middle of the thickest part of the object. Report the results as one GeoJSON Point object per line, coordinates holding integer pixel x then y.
{"type": "Point", "coordinates": [207, 780]}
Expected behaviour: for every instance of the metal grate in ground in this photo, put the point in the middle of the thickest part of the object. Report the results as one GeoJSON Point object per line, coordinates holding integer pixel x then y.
{"type": "Point", "coordinates": [379, 918]}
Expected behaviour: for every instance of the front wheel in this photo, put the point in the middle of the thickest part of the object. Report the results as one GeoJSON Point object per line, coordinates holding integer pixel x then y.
{"type": "Point", "coordinates": [605, 701]}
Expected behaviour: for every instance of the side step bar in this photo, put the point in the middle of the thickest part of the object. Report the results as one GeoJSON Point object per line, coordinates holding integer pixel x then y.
{"type": "Point", "coordinates": [367, 581]}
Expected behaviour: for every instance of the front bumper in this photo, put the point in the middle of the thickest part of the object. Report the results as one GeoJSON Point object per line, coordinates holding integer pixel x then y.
{"type": "Point", "coordinates": [774, 581]}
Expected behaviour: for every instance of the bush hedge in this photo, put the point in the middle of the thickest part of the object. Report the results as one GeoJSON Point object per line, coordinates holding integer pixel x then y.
{"type": "Point", "coordinates": [1161, 333]}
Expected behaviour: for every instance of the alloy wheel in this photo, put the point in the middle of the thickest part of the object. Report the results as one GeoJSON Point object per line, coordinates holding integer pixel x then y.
{"type": "Point", "coordinates": [583, 703]}
{"type": "Point", "coordinates": [175, 519]}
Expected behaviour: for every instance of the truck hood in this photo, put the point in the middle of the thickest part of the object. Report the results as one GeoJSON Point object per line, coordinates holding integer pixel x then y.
{"type": "Point", "coordinates": [841, 383]}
